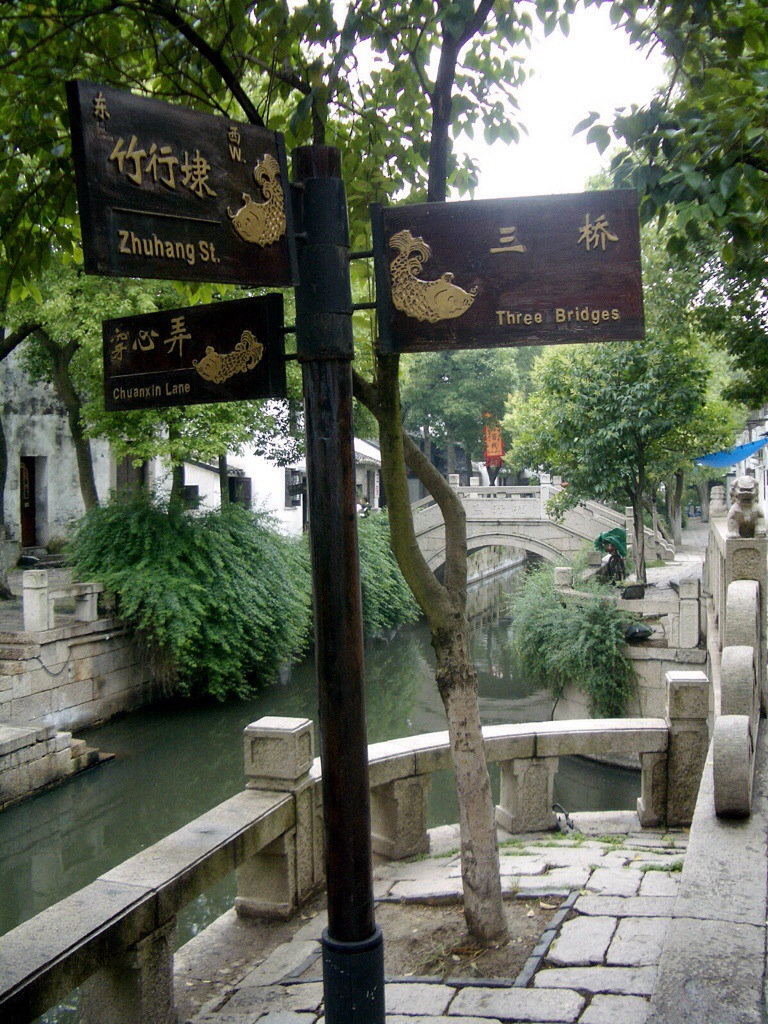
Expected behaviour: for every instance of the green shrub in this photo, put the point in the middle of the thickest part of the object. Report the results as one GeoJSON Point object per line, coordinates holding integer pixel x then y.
{"type": "Point", "coordinates": [387, 599]}
{"type": "Point", "coordinates": [573, 640]}
{"type": "Point", "coordinates": [220, 599]}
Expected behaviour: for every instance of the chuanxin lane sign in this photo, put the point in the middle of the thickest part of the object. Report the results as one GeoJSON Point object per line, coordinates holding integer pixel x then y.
{"type": "Point", "coordinates": [223, 352]}
{"type": "Point", "coordinates": [168, 192]}
{"type": "Point", "coordinates": [529, 271]}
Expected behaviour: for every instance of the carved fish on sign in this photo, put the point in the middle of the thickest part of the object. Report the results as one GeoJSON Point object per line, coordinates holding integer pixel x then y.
{"type": "Point", "coordinates": [218, 368]}
{"type": "Point", "coordinates": [430, 301]}
{"type": "Point", "coordinates": [262, 223]}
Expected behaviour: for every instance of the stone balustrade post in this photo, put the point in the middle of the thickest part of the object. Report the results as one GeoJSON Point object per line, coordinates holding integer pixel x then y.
{"type": "Point", "coordinates": [689, 614]}
{"type": "Point", "coordinates": [454, 479]}
{"type": "Point", "coordinates": [687, 714]}
{"type": "Point", "coordinates": [652, 803]}
{"type": "Point", "coordinates": [87, 605]}
{"type": "Point", "coordinates": [278, 757]}
{"type": "Point", "coordinates": [35, 601]}
{"type": "Point", "coordinates": [399, 817]}
{"type": "Point", "coordinates": [563, 577]}
{"type": "Point", "coordinates": [137, 985]}
{"type": "Point", "coordinates": [526, 794]}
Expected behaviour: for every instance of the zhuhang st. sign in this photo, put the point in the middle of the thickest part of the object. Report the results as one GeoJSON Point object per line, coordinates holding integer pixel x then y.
{"type": "Point", "coordinates": [531, 271]}
{"type": "Point", "coordinates": [172, 193]}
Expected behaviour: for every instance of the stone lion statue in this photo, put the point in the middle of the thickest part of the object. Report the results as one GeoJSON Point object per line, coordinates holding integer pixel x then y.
{"type": "Point", "coordinates": [717, 505]}
{"type": "Point", "coordinates": [745, 517]}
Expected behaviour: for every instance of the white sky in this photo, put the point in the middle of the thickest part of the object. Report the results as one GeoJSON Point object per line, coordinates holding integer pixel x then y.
{"type": "Point", "coordinates": [593, 68]}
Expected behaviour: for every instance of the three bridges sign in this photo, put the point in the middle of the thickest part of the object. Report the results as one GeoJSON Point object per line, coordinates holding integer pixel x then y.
{"type": "Point", "coordinates": [531, 271]}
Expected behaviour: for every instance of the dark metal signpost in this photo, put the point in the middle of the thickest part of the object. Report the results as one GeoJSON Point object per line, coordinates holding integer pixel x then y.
{"type": "Point", "coordinates": [170, 193]}
{"type": "Point", "coordinates": [532, 271]}
{"type": "Point", "coordinates": [224, 352]}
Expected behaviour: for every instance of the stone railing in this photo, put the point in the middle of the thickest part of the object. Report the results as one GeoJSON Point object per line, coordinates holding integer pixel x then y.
{"type": "Point", "coordinates": [735, 580]}
{"type": "Point", "coordinates": [39, 600]}
{"type": "Point", "coordinates": [114, 938]}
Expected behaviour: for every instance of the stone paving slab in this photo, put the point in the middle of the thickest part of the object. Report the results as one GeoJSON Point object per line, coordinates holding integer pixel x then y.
{"type": "Point", "coordinates": [427, 889]}
{"type": "Point", "coordinates": [630, 906]}
{"type": "Point", "coordinates": [638, 942]}
{"type": "Point", "coordinates": [715, 975]}
{"type": "Point", "coordinates": [398, 1018]}
{"type": "Point", "coordinates": [416, 998]}
{"type": "Point", "coordinates": [519, 1004]}
{"type": "Point", "coordinates": [582, 941]}
{"type": "Point", "coordinates": [660, 883]}
{"type": "Point", "coordinates": [286, 959]}
{"type": "Point", "coordinates": [628, 981]}
{"type": "Point", "coordinates": [616, 1010]}
{"type": "Point", "coordinates": [615, 881]}
{"type": "Point", "coordinates": [575, 877]}
{"type": "Point", "coordinates": [596, 964]}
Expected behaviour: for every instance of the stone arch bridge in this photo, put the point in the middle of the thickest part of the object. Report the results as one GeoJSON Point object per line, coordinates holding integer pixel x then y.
{"type": "Point", "coordinates": [516, 517]}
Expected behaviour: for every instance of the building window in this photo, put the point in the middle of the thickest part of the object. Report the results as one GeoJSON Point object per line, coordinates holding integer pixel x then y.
{"type": "Point", "coordinates": [294, 487]}
{"type": "Point", "coordinates": [240, 492]}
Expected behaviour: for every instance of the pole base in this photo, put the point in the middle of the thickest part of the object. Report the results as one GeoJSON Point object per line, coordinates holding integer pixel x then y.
{"type": "Point", "coordinates": [353, 980]}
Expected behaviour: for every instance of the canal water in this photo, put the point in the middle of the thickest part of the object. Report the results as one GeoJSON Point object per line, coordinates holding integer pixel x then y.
{"type": "Point", "coordinates": [175, 761]}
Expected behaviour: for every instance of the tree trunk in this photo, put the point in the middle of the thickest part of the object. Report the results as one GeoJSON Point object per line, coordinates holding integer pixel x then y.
{"type": "Point", "coordinates": [637, 497]}
{"type": "Point", "coordinates": [60, 360]}
{"type": "Point", "coordinates": [703, 491]}
{"type": "Point", "coordinates": [223, 480]}
{"type": "Point", "coordinates": [450, 455]}
{"type": "Point", "coordinates": [5, 590]}
{"type": "Point", "coordinates": [177, 484]}
{"type": "Point", "coordinates": [444, 608]}
{"type": "Point", "coordinates": [676, 508]}
{"type": "Point", "coordinates": [8, 342]}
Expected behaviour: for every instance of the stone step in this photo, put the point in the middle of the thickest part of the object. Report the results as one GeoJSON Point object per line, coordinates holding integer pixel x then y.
{"type": "Point", "coordinates": [39, 558]}
{"type": "Point", "coordinates": [89, 758]}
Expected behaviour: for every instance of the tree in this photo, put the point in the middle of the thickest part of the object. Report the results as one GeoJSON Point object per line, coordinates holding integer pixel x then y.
{"type": "Point", "coordinates": [447, 394]}
{"type": "Point", "coordinates": [698, 156]}
{"type": "Point", "coordinates": [599, 413]}
{"type": "Point", "coordinates": [697, 149]}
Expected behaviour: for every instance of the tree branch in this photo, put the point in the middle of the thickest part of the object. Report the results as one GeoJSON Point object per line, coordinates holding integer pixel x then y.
{"type": "Point", "coordinates": [167, 11]}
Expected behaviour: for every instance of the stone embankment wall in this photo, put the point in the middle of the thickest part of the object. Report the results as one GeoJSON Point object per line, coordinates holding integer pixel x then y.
{"type": "Point", "coordinates": [677, 644]}
{"type": "Point", "coordinates": [72, 677]}
{"type": "Point", "coordinates": [61, 673]}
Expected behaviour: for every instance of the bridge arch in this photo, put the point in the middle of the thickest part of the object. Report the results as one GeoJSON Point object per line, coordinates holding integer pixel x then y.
{"type": "Point", "coordinates": [517, 517]}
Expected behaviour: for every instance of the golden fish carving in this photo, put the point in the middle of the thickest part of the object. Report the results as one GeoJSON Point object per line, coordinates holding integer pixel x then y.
{"type": "Point", "coordinates": [262, 223]}
{"type": "Point", "coordinates": [431, 301]}
{"type": "Point", "coordinates": [218, 368]}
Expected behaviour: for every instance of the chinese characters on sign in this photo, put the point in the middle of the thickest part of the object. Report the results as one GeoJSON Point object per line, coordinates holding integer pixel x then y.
{"type": "Point", "coordinates": [167, 192]}
{"type": "Point", "coordinates": [224, 352]}
{"type": "Point", "coordinates": [531, 271]}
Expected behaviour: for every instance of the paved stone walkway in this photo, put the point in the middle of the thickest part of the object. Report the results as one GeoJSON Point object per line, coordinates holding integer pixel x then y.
{"type": "Point", "coordinates": [596, 963]}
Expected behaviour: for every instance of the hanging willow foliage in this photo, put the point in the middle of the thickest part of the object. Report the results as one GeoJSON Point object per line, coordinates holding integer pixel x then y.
{"type": "Point", "coordinates": [573, 640]}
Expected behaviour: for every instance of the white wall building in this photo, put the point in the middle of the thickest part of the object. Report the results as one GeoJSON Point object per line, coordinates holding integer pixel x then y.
{"type": "Point", "coordinates": [42, 494]}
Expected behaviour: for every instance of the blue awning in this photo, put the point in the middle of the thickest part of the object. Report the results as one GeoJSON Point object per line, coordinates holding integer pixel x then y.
{"type": "Point", "coordinates": [719, 460]}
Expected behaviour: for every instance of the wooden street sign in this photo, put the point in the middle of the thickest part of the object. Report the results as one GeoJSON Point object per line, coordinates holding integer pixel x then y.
{"type": "Point", "coordinates": [172, 193]}
{"type": "Point", "coordinates": [530, 271]}
{"type": "Point", "coordinates": [223, 352]}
